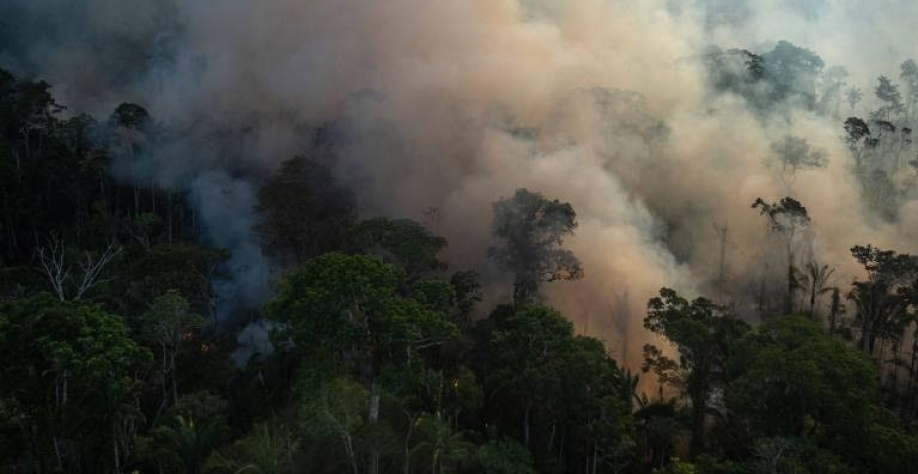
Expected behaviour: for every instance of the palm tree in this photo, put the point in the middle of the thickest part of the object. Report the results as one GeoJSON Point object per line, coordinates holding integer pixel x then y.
{"type": "Point", "coordinates": [878, 310]}
{"type": "Point", "coordinates": [187, 444]}
{"type": "Point", "coordinates": [268, 450]}
{"type": "Point", "coordinates": [815, 280]}
{"type": "Point", "coordinates": [446, 448]}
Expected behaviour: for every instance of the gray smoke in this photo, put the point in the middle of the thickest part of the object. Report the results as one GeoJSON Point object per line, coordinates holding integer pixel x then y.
{"type": "Point", "coordinates": [456, 103]}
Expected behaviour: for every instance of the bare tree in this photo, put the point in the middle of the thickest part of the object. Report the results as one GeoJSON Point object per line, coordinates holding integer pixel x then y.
{"type": "Point", "coordinates": [51, 258]}
{"type": "Point", "coordinates": [54, 265]}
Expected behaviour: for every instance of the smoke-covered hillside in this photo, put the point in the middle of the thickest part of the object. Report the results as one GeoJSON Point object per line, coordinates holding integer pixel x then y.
{"type": "Point", "coordinates": [577, 155]}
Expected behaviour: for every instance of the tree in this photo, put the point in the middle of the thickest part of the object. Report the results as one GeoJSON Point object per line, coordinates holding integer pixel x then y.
{"type": "Point", "coordinates": [883, 298]}
{"type": "Point", "coordinates": [270, 448]}
{"type": "Point", "coordinates": [704, 340]}
{"type": "Point", "coordinates": [169, 324]}
{"type": "Point", "coordinates": [56, 268]}
{"type": "Point", "coordinates": [533, 228]}
{"type": "Point", "coordinates": [834, 80]}
{"type": "Point", "coordinates": [853, 96]}
{"type": "Point", "coordinates": [344, 312]}
{"type": "Point", "coordinates": [185, 443]}
{"type": "Point", "coordinates": [69, 367]}
{"type": "Point", "coordinates": [562, 393]}
{"type": "Point", "coordinates": [504, 456]}
{"type": "Point", "coordinates": [402, 242]}
{"type": "Point", "coordinates": [184, 437]}
{"type": "Point", "coordinates": [346, 317]}
{"type": "Point", "coordinates": [792, 72]}
{"type": "Point", "coordinates": [146, 274]}
{"type": "Point", "coordinates": [304, 211]}
{"type": "Point", "coordinates": [130, 126]}
{"type": "Point", "coordinates": [794, 153]}
{"type": "Point", "coordinates": [858, 132]}
{"type": "Point", "coordinates": [909, 77]}
{"type": "Point", "coordinates": [526, 347]}
{"type": "Point", "coordinates": [889, 94]}
{"type": "Point", "coordinates": [336, 408]}
{"type": "Point", "coordinates": [815, 280]}
{"type": "Point", "coordinates": [786, 217]}
{"type": "Point", "coordinates": [791, 381]}
{"type": "Point", "coordinates": [445, 447]}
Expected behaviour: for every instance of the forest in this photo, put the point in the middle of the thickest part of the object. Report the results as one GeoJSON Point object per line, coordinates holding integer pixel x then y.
{"type": "Point", "coordinates": [213, 263]}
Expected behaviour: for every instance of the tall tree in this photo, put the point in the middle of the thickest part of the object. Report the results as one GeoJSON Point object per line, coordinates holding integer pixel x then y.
{"type": "Point", "coordinates": [792, 154]}
{"type": "Point", "coordinates": [909, 77]}
{"type": "Point", "coordinates": [883, 299]}
{"type": "Point", "coordinates": [169, 324]}
{"type": "Point", "coordinates": [345, 315]}
{"type": "Point", "coordinates": [854, 96]}
{"type": "Point", "coordinates": [704, 339]}
{"type": "Point", "coordinates": [833, 82]}
{"type": "Point", "coordinates": [786, 217]}
{"type": "Point", "coordinates": [533, 228]}
{"type": "Point", "coordinates": [888, 93]}
{"type": "Point", "coordinates": [814, 279]}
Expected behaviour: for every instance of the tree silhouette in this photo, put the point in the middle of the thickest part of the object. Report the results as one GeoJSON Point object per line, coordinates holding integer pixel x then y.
{"type": "Point", "coordinates": [533, 228]}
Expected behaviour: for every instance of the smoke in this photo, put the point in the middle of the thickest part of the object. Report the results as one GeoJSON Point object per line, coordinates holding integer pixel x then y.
{"type": "Point", "coordinates": [454, 104]}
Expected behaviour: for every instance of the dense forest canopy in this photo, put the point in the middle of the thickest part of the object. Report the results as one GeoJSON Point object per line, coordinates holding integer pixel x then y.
{"type": "Point", "coordinates": [504, 236]}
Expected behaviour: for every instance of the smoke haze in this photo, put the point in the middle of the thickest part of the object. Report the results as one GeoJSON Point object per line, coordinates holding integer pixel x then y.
{"type": "Point", "coordinates": [454, 104]}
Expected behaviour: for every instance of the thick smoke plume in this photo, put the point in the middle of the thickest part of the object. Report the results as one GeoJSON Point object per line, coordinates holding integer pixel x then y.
{"type": "Point", "coordinates": [454, 104]}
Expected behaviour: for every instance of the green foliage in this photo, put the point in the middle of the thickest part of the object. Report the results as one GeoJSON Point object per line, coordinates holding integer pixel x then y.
{"type": "Point", "coordinates": [443, 448]}
{"type": "Point", "coordinates": [267, 449]}
{"type": "Point", "coordinates": [704, 340]}
{"type": "Point", "coordinates": [803, 400]}
{"type": "Point", "coordinates": [67, 368]}
{"type": "Point", "coordinates": [169, 321]}
{"type": "Point", "coordinates": [344, 312]}
{"type": "Point", "coordinates": [795, 381]}
{"type": "Point", "coordinates": [401, 242]}
{"type": "Point", "coordinates": [504, 456]}
{"type": "Point", "coordinates": [541, 378]}
{"type": "Point", "coordinates": [185, 444]}
{"type": "Point", "coordinates": [149, 273]}
{"type": "Point", "coordinates": [380, 366]}
{"type": "Point", "coordinates": [335, 409]}
{"type": "Point", "coordinates": [883, 299]}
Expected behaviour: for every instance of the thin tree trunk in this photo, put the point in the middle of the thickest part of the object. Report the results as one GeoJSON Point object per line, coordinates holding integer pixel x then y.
{"type": "Point", "coordinates": [911, 374]}
{"type": "Point", "coordinates": [595, 455]}
{"type": "Point", "coordinates": [349, 449]}
{"type": "Point", "coordinates": [115, 449]}
{"type": "Point", "coordinates": [551, 437]}
{"type": "Point", "coordinates": [373, 461]}
{"type": "Point", "coordinates": [813, 301]}
{"type": "Point", "coordinates": [789, 301]}
{"type": "Point", "coordinates": [526, 427]}
{"type": "Point", "coordinates": [407, 467]}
